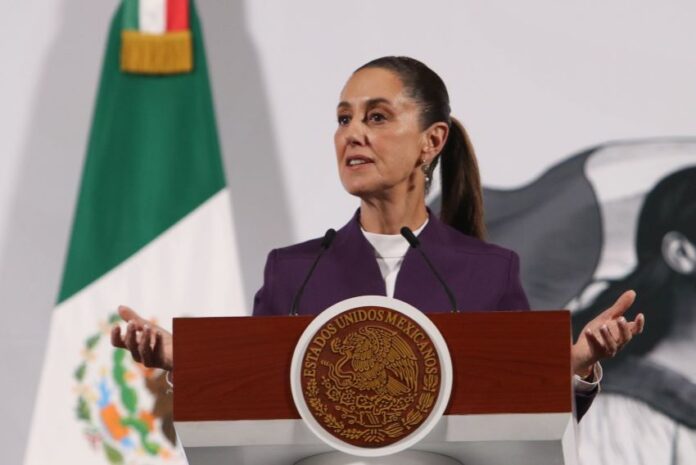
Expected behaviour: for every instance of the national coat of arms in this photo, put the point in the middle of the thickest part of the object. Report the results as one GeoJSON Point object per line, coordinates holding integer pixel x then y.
{"type": "Point", "coordinates": [370, 376]}
{"type": "Point", "coordinates": [124, 407]}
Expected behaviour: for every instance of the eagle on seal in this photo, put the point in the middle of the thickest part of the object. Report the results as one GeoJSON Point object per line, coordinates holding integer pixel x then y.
{"type": "Point", "coordinates": [380, 361]}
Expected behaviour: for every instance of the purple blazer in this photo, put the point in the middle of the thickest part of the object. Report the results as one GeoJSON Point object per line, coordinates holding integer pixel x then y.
{"type": "Point", "coordinates": [482, 276]}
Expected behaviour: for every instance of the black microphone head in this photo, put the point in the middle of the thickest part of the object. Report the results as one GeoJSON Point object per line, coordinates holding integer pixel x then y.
{"type": "Point", "coordinates": [410, 237]}
{"type": "Point", "coordinates": [329, 236]}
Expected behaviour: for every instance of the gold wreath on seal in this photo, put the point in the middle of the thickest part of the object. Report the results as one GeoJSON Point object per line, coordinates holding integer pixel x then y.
{"type": "Point", "coordinates": [372, 384]}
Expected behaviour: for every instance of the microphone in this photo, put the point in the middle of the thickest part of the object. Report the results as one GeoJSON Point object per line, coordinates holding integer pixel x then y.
{"type": "Point", "coordinates": [415, 243]}
{"type": "Point", "coordinates": [329, 236]}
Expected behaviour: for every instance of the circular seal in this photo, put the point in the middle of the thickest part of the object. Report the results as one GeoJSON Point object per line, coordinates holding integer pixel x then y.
{"type": "Point", "coordinates": [371, 376]}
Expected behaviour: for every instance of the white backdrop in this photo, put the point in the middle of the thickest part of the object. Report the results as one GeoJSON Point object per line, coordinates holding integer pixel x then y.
{"type": "Point", "coordinates": [533, 81]}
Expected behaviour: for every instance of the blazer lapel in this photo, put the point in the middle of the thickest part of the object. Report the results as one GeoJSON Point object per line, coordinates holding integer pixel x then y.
{"type": "Point", "coordinates": [359, 270]}
{"type": "Point", "coordinates": [416, 283]}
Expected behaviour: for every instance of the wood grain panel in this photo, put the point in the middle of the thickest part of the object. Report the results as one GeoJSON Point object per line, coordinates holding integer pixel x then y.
{"type": "Point", "coordinates": [237, 368]}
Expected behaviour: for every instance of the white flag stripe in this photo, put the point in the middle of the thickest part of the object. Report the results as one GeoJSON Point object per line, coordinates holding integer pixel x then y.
{"type": "Point", "coordinates": [176, 272]}
{"type": "Point", "coordinates": [152, 16]}
{"type": "Point", "coordinates": [190, 269]}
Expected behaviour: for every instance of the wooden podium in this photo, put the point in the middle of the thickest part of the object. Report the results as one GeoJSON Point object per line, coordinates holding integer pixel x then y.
{"type": "Point", "coordinates": [511, 400]}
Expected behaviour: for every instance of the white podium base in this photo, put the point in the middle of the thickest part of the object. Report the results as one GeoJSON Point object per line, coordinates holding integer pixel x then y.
{"type": "Point", "coordinates": [494, 439]}
{"type": "Point", "coordinates": [408, 457]}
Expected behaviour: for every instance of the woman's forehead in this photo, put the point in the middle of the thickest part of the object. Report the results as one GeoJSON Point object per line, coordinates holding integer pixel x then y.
{"type": "Point", "coordinates": [371, 84]}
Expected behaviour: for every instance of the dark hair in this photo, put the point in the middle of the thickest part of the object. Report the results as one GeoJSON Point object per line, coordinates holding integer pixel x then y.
{"type": "Point", "coordinates": [462, 198]}
{"type": "Point", "coordinates": [670, 206]}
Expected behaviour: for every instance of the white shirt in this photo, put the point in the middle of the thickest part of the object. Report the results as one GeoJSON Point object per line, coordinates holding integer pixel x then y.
{"type": "Point", "coordinates": [390, 250]}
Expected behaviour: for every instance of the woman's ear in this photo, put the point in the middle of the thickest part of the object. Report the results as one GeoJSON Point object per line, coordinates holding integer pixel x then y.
{"type": "Point", "coordinates": [679, 253]}
{"type": "Point", "coordinates": [435, 139]}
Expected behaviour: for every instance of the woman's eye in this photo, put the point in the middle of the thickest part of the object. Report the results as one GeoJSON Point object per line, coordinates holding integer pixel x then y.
{"type": "Point", "coordinates": [377, 117]}
{"type": "Point", "coordinates": [343, 120]}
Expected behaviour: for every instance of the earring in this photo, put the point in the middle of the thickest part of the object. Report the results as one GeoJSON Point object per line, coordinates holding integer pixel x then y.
{"type": "Point", "coordinates": [425, 168]}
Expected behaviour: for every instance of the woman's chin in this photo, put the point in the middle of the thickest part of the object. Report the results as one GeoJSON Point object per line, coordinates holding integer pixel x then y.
{"type": "Point", "coordinates": [362, 193]}
{"type": "Point", "coordinates": [377, 188]}
{"type": "Point", "coordinates": [361, 189]}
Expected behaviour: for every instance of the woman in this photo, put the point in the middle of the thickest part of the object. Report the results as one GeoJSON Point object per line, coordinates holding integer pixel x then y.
{"type": "Point", "coordinates": [650, 404]}
{"type": "Point", "coordinates": [394, 126]}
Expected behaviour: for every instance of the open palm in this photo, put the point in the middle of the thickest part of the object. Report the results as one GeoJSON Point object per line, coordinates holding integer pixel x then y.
{"type": "Point", "coordinates": [605, 335]}
{"type": "Point", "coordinates": [149, 344]}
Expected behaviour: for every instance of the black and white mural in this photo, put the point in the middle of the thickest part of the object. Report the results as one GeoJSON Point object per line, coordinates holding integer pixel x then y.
{"type": "Point", "coordinates": [615, 217]}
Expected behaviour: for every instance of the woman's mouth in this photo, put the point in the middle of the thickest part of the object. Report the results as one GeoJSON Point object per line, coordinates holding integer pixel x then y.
{"type": "Point", "coordinates": [357, 160]}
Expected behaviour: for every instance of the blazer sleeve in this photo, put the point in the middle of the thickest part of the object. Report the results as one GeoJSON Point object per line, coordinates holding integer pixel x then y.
{"type": "Point", "coordinates": [583, 400]}
{"type": "Point", "coordinates": [263, 300]}
{"type": "Point", "coordinates": [513, 296]}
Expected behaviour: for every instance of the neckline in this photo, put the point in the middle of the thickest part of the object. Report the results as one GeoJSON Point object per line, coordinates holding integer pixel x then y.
{"type": "Point", "coordinates": [390, 245]}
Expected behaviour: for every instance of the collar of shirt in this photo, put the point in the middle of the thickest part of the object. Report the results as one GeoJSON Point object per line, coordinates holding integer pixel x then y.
{"type": "Point", "coordinates": [390, 245]}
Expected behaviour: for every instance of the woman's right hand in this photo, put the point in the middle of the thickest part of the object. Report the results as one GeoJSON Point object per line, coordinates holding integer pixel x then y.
{"type": "Point", "coordinates": [149, 344]}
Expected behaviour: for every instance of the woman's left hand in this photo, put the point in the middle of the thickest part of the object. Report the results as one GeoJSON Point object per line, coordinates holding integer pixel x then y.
{"type": "Point", "coordinates": [604, 336]}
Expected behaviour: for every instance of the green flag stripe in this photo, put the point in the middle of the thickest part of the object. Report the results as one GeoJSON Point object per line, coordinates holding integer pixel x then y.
{"type": "Point", "coordinates": [153, 156]}
{"type": "Point", "coordinates": [130, 14]}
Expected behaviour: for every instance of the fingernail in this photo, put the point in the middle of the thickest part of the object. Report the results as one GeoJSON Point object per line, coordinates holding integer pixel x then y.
{"type": "Point", "coordinates": [622, 320]}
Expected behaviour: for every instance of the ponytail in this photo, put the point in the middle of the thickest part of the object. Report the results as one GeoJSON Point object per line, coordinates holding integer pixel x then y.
{"type": "Point", "coordinates": [462, 197]}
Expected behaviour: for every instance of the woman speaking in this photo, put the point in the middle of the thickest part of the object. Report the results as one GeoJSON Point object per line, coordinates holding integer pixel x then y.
{"type": "Point", "coordinates": [393, 128]}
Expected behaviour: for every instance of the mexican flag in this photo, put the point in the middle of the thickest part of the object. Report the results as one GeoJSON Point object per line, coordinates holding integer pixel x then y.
{"type": "Point", "coordinates": [152, 230]}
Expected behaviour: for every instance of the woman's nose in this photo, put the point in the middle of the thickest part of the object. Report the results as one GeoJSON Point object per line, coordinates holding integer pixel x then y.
{"type": "Point", "coordinates": [355, 134]}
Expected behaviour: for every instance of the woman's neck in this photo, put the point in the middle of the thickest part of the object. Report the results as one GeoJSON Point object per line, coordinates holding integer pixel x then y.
{"type": "Point", "coordinates": [386, 216]}
{"type": "Point", "coordinates": [677, 347]}
{"type": "Point", "coordinates": [684, 308]}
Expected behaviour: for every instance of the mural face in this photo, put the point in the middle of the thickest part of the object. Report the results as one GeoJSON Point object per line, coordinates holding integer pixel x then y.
{"type": "Point", "coordinates": [665, 282]}
{"type": "Point", "coordinates": [613, 218]}
{"type": "Point", "coordinates": [650, 388]}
